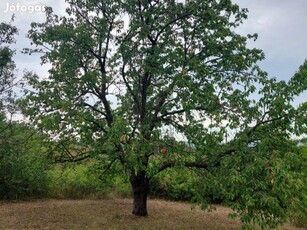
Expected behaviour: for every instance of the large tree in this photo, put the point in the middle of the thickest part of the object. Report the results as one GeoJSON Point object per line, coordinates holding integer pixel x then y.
{"type": "Point", "coordinates": [156, 84]}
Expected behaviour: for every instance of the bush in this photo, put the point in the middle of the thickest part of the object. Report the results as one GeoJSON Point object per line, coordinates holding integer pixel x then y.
{"type": "Point", "coordinates": [71, 181]}
{"type": "Point", "coordinates": [175, 184]}
{"type": "Point", "coordinates": [22, 166]}
{"type": "Point", "coordinates": [82, 180]}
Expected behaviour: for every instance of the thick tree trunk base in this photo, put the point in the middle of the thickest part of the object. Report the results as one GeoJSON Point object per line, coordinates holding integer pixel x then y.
{"type": "Point", "coordinates": [139, 185]}
{"type": "Point", "coordinates": [139, 210]}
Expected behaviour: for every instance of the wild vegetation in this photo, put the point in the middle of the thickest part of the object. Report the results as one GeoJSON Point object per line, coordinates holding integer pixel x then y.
{"type": "Point", "coordinates": [122, 80]}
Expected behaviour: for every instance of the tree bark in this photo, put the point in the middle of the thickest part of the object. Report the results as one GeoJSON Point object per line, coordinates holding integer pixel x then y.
{"type": "Point", "coordinates": [139, 184]}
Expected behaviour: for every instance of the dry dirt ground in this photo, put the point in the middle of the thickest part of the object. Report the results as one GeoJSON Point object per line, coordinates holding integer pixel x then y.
{"type": "Point", "coordinates": [111, 214]}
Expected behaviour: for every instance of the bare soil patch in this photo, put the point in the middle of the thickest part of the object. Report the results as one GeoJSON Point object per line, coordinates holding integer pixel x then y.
{"type": "Point", "coordinates": [112, 214]}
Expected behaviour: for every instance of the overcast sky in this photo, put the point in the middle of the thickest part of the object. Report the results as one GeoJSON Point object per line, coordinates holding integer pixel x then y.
{"type": "Point", "coordinates": [280, 24]}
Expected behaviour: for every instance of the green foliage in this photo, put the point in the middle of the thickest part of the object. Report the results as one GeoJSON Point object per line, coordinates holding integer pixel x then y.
{"type": "Point", "coordinates": [7, 66]}
{"type": "Point", "coordinates": [300, 216]}
{"type": "Point", "coordinates": [176, 66]}
{"type": "Point", "coordinates": [81, 181]}
{"type": "Point", "coordinates": [22, 162]}
{"type": "Point", "coordinates": [71, 182]}
{"type": "Point", "coordinates": [175, 184]}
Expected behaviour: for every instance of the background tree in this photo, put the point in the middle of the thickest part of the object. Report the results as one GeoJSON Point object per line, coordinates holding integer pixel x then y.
{"type": "Point", "coordinates": [22, 170]}
{"type": "Point", "coordinates": [124, 72]}
{"type": "Point", "coordinates": [7, 65]}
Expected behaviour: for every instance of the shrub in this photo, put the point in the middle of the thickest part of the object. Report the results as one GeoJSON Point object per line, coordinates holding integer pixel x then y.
{"type": "Point", "coordinates": [82, 180]}
{"type": "Point", "coordinates": [22, 166]}
{"type": "Point", "coordinates": [175, 184]}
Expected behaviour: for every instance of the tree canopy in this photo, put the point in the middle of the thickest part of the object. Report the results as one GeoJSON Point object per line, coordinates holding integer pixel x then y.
{"type": "Point", "coordinates": [127, 74]}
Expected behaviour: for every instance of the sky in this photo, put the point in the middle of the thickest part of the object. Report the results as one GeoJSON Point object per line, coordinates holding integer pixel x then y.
{"type": "Point", "coordinates": [280, 24]}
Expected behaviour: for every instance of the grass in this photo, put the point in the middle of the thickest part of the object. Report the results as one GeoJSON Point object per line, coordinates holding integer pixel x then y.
{"type": "Point", "coordinates": [111, 214]}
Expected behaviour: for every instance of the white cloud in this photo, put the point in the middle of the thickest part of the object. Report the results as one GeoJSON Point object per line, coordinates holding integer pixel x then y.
{"type": "Point", "coordinates": [281, 26]}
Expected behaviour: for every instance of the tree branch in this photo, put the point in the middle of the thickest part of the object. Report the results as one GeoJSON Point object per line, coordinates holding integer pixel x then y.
{"type": "Point", "coordinates": [262, 122]}
{"type": "Point", "coordinates": [128, 86]}
{"type": "Point", "coordinates": [171, 22]}
{"type": "Point", "coordinates": [107, 168]}
{"type": "Point", "coordinates": [194, 164]}
{"type": "Point", "coordinates": [171, 164]}
{"type": "Point", "coordinates": [72, 160]}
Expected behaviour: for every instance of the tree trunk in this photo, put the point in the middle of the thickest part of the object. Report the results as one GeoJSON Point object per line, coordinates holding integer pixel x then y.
{"type": "Point", "coordinates": [139, 184]}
